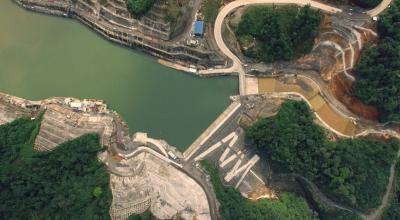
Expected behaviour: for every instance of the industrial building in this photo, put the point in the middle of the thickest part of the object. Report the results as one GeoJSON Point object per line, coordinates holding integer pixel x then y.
{"type": "Point", "coordinates": [199, 28]}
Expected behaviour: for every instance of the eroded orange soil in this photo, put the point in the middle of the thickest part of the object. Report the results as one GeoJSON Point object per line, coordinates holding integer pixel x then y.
{"type": "Point", "coordinates": [341, 88]}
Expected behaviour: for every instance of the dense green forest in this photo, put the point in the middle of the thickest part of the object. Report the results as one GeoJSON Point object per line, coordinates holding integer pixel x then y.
{"type": "Point", "coordinates": [139, 7]}
{"type": "Point", "coordinates": [144, 216]}
{"type": "Point", "coordinates": [271, 33]}
{"type": "Point", "coordinates": [393, 211]}
{"type": "Point", "coordinates": [367, 3]}
{"type": "Point", "coordinates": [66, 183]}
{"type": "Point", "coordinates": [378, 72]}
{"type": "Point", "coordinates": [291, 142]}
{"type": "Point", "coordinates": [362, 3]}
{"type": "Point", "coordinates": [324, 211]}
{"type": "Point", "coordinates": [234, 206]}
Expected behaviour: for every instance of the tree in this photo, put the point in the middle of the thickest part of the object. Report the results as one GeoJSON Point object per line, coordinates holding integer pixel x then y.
{"type": "Point", "coordinates": [97, 192]}
{"type": "Point", "coordinates": [144, 216]}
{"type": "Point", "coordinates": [66, 183]}
{"type": "Point", "coordinates": [139, 7]}
{"type": "Point", "coordinates": [234, 207]}
{"type": "Point", "coordinates": [293, 143]}
{"type": "Point", "coordinates": [271, 33]}
{"type": "Point", "coordinates": [378, 72]}
{"type": "Point", "coordinates": [393, 210]}
{"type": "Point", "coordinates": [368, 3]}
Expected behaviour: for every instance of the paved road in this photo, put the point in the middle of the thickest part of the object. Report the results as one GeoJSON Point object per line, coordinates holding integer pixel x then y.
{"type": "Point", "coordinates": [237, 65]}
{"type": "Point", "coordinates": [379, 9]}
{"type": "Point", "coordinates": [200, 178]}
{"type": "Point", "coordinates": [323, 198]}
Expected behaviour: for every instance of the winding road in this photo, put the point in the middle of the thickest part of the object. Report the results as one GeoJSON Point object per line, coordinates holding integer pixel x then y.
{"type": "Point", "coordinates": [380, 8]}
{"type": "Point", "coordinates": [237, 66]}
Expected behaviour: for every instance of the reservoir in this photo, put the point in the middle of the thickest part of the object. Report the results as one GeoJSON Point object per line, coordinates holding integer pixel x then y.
{"type": "Point", "coordinates": [43, 56]}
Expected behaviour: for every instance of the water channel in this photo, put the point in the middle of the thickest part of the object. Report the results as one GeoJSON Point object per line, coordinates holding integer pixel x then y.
{"type": "Point", "coordinates": [43, 56]}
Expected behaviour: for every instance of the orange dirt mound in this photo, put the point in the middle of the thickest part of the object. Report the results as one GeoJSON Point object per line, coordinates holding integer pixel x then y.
{"type": "Point", "coordinates": [341, 88]}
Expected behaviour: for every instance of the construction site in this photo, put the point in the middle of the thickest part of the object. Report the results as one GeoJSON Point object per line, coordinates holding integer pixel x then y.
{"type": "Point", "coordinates": [150, 174]}
{"type": "Point", "coordinates": [337, 47]}
{"type": "Point", "coordinates": [145, 173]}
{"type": "Point", "coordinates": [172, 43]}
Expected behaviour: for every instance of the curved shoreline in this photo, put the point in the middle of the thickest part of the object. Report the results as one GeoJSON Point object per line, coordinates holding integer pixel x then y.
{"type": "Point", "coordinates": [117, 128]}
{"type": "Point", "coordinates": [238, 68]}
{"type": "Point", "coordinates": [66, 118]}
{"type": "Point", "coordinates": [185, 58]}
{"type": "Point", "coordinates": [237, 65]}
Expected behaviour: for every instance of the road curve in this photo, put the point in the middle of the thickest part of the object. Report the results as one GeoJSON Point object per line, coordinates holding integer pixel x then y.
{"type": "Point", "coordinates": [237, 65]}
{"type": "Point", "coordinates": [380, 8]}
{"type": "Point", "coordinates": [238, 68]}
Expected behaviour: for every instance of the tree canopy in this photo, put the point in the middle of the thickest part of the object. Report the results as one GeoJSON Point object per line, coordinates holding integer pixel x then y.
{"type": "Point", "coordinates": [362, 3]}
{"type": "Point", "coordinates": [324, 210]}
{"type": "Point", "coordinates": [378, 72]}
{"type": "Point", "coordinates": [66, 183]}
{"type": "Point", "coordinates": [367, 3]}
{"type": "Point", "coordinates": [291, 142]}
{"type": "Point", "coordinates": [233, 206]}
{"type": "Point", "coordinates": [271, 33]}
{"type": "Point", "coordinates": [139, 7]}
{"type": "Point", "coordinates": [393, 211]}
{"type": "Point", "coordinates": [147, 215]}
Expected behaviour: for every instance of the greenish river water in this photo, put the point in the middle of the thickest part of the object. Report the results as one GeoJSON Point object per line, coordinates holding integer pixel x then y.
{"type": "Point", "coordinates": [43, 56]}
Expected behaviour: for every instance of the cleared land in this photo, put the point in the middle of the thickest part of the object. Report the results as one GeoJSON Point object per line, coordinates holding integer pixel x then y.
{"type": "Point", "coordinates": [320, 106]}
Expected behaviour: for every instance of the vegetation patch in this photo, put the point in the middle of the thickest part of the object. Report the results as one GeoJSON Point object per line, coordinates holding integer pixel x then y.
{"type": "Point", "coordinates": [66, 183]}
{"type": "Point", "coordinates": [378, 72]}
{"type": "Point", "coordinates": [362, 3]}
{"type": "Point", "coordinates": [210, 10]}
{"type": "Point", "coordinates": [393, 211]}
{"type": "Point", "coordinates": [271, 33]}
{"type": "Point", "coordinates": [234, 206]}
{"type": "Point", "coordinates": [354, 172]}
{"type": "Point", "coordinates": [367, 3]}
{"type": "Point", "coordinates": [139, 7]}
{"type": "Point", "coordinates": [175, 10]}
{"type": "Point", "coordinates": [324, 211]}
{"type": "Point", "coordinates": [144, 216]}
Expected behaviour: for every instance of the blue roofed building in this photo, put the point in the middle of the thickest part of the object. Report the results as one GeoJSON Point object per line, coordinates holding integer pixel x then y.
{"type": "Point", "coordinates": [199, 28]}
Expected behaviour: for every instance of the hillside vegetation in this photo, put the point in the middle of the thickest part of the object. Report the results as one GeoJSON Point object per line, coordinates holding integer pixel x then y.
{"type": "Point", "coordinates": [66, 183]}
{"type": "Point", "coordinates": [354, 172]}
{"type": "Point", "coordinates": [233, 206]}
{"type": "Point", "coordinates": [271, 33]}
{"type": "Point", "coordinates": [378, 72]}
{"type": "Point", "coordinates": [367, 3]}
{"type": "Point", "coordinates": [139, 7]}
{"type": "Point", "coordinates": [147, 215]}
{"type": "Point", "coordinates": [393, 211]}
{"type": "Point", "coordinates": [324, 210]}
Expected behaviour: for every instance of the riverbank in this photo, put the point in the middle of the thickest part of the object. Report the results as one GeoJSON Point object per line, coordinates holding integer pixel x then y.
{"type": "Point", "coordinates": [44, 56]}
{"type": "Point", "coordinates": [137, 165]}
{"type": "Point", "coordinates": [106, 24]}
